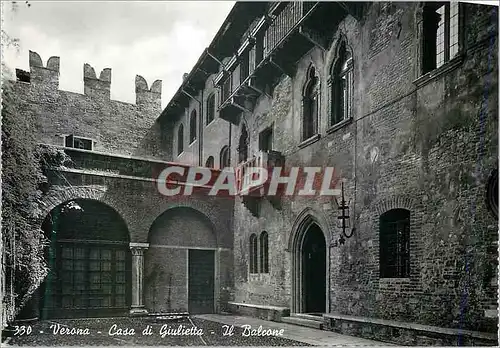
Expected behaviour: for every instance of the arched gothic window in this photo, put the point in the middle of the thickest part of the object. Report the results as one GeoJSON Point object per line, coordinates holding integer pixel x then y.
{"type": "Point", "coordinates": [192, 127]}
{"type": "Point", "coordinates": [341, 86]}
{"type": "Point", "coordinates": [253, 253]}
{"type": "Point", "coordinates": [224, 157]}
{"type": "Point", "coordinates": [264, 253]}
{"type": "Point", "coordinates": [211, 108]}
{"type": "Point", "coordinates": [310, 105]}
{"type": "Point", "coordinates": [395, 244]}
{"type": "Point", "coordinates": [210, 162]}
{"type": "Point", "coordinates": [243, 145]}
{"type": "Point", "coordinates": [180, 139]}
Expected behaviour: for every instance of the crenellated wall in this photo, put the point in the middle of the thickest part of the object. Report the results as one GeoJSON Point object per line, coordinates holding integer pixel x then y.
{"type": "Point", "coordinates": [114, 126]}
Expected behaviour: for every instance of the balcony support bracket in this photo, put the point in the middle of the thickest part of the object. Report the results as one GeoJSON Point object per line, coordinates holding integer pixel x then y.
{"type": "Point", "coordinates": [284, 69]}
{"type": "Point", "coordinates": [312, 37]}
{"type": "Point", "coordinates": [236, 105]}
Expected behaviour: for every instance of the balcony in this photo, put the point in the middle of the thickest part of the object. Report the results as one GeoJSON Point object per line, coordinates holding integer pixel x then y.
{"type": "Point", "coordinates": [247, 173]}
{"type": "Point", "coordinates": [239, 91]}
{"type": "Point", "coordinates": [99, 168]}
{"type": "Point", "coordinates": [277, 42]}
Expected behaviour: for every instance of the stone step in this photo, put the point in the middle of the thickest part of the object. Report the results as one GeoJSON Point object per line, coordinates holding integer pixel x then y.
{"type": "Point", "coordinates": [318, 318]}
{"type": "Point", "coordinates": [303, 322]}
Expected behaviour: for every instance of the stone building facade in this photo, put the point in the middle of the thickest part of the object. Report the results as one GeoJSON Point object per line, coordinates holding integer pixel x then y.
{"type": "Point", "coordinates": [399, 98]}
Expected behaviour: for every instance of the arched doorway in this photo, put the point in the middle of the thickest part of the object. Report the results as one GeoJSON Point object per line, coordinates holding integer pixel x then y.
{"type": "Point", "coordinates": [310, 267]}
{"type": "Point", "coordinates": [89, 261]}
{"type": "Point", "coordinates": [181, 265]}
{"type": "Point", "coordinates": [313, 253]}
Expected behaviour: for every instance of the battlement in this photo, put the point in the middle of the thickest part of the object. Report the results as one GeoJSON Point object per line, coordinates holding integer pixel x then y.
{"type": "Point", "coordinates": [95, 87]}
{"type": "Point", "coordinates": [40, 74]}
{"type": "Point", "coordinates": [144, 95]}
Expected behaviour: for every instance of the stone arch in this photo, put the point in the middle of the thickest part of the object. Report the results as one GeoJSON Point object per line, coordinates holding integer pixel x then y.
{"type": "Point", "coordinates": [306, 219]}
{"type": "Point", "coordinates": [61, 194]}
{"type": "Point", "coordinates": [311, 74]}
{"type": "Point", "coordinates": [310, 103]}
{"type": "Point", "coordinates": [394, 202]}
{"type": "Point", "coordinates": [98, 233]}
{"type": "Point", "coordinates": [340, 41]}
{"type": "Point", "coordinates": [174, 236]}
{"type": "Point", "coordinates": [187, 210]}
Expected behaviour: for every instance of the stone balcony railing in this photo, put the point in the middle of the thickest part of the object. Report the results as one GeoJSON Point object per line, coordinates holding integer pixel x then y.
{"type": "Point", "coordinates": [247, 173]}
{"type": "Point", "coordinates": [96, 164]}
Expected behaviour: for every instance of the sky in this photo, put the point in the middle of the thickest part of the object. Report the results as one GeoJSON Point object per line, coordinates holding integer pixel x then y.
{"type": "Point", "coordinates": [154, 39]}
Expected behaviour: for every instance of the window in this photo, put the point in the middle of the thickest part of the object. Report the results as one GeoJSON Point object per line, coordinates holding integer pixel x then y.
{"type": "Point", "coordinates": [224, 157]}
{"type": "Point", "coordinates": [440, 34]}
{"type": "Point", "coordinates": [192, 127]}
{"type": "Point", "coordinates": [243, 145]}
{"type": "Point", "coordinates": [226, 89]}
{"type": "Point", "coordinates": [340, 85]}
{"type": "Point", "coordinates": [210, 162]}
{"type": "Point", "coordinates": [395, 244]}
{"type": "Point", "coordinates": [259, 48]}
{"type": "Point", "coordinates": [244, 66]}
{"type": "Point", "coordinates": [210, 108]}
{"type": "Point", "coordinates": [264, 253]}
{"type": "Point", "coordinates": [310, 101]}
{"type": "Point", "coordinates": [22, 75]}
{"type": "Point", "coordinates": [253, 254]}
{"type": "Point", "coordinates": [492, 193]}
{"type": "Point", "coordinates": [180, 139]}
{"type": "Point", "coordinates": [77, 142]}
{"type": "Point", "coordinates": [266, 139]}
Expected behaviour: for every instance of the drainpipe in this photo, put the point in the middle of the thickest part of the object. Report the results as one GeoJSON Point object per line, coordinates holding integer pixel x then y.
{"type": "Point", "coordinates": [199, 124]}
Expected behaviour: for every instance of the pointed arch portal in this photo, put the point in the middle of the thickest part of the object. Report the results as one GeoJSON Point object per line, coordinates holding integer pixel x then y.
{"type": "Point", "coordinates": [310, 265]}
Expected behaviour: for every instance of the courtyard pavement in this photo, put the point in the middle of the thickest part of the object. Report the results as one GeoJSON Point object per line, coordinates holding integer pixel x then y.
{"type": "Point", "coordinates": [293, 332]}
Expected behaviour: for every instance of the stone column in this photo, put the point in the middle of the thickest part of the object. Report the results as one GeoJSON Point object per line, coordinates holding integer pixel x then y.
{"type": "Point", "coordinates": [137, 249]}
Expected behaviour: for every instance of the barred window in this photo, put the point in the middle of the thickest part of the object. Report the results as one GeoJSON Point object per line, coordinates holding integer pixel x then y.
{"type": "Point", "coordinates": [264, 253]}
{"type": "Point", "coordinates": [253, 254]}
{"type": "Point", "coordinates": [395, 244]}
